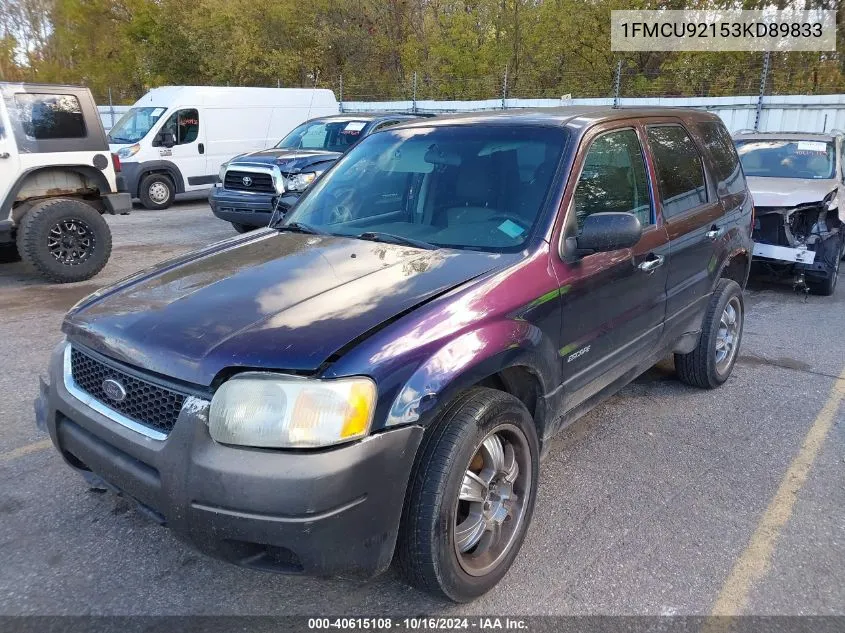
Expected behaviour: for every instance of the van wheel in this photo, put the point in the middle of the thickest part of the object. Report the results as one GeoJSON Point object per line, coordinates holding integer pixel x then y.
{"type": "Point", "coordinates": [470, 497]}
{"type": "Point", "coordinates": [713, 359]}
{"type": "Point", "coordinates": [64, 240]}
{"type": "Point", "coordinates": [243, 228]}
{"type": "Point", "coordinates": [156, 191]}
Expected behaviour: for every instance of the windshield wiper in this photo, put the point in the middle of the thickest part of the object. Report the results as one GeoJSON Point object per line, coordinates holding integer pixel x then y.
{"type": "Point", "coordinates": [378, 236]}
{"type": "Point", "coordinates": [298, 227]}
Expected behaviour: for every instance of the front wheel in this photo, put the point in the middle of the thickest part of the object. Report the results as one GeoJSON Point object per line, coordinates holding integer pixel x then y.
{"type": "Point", "coordinates": [65, 240]}
{"type": "Point", "coordinates": [713, 359]}
{"type": "Point", "coordinates": [156, 191]}
{"type": "Point", "coordinates": [471, 496]}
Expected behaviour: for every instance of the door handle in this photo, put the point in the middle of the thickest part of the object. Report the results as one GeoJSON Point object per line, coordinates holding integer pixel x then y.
{"type": "Point", "coordinates": [201, 148]}
{"type": "Point", "coordinates": [651, 264]}
{"type": "Point", "coordinates": [4, 154]}
{"type": "Point", "coordinates": [714, 232]}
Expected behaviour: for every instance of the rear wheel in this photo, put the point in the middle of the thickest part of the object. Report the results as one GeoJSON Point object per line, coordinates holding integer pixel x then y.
{"type": "Point", "coordinates": [156, 191]}
{"type": "Point", "coordinates": [713, 359]}
{"type": "Point", "coordinates": [471, 496]}
{"type": "Point", "coordinates": [65, 240]}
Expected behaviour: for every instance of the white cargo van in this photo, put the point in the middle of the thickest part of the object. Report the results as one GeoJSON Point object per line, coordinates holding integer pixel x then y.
{"type": "Point", "coordinates": [175, 138]}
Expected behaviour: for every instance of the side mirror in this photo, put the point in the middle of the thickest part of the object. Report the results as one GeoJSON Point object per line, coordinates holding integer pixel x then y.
{"type": "Point", "coordinates": [604, 232]}
{"type": "Point", "coordinates": [164, 139]}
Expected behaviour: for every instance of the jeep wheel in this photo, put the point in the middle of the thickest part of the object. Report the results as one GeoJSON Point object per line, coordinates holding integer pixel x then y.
{"type": "Point", "coordinates": [156, 191]}
{"type": "Point", "coordinates": [470, 497]}
{"type": "Point", "coordinates": [713, 359]}
{"type": "Point", "coordinates": [243, 228]}
{"type": "Point", "coordinates": [64, 240]}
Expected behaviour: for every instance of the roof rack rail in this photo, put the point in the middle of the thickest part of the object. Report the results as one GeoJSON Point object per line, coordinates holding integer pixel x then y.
{"type": "Point", "coordinates": [836, 132]}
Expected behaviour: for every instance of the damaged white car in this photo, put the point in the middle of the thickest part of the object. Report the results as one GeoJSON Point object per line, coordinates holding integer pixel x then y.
{"type": "Point", "coordinates": [797, 181]}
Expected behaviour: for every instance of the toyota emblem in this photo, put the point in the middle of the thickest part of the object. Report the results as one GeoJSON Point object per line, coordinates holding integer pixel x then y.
{"type": "Point", "coordinates": [247, 181]}
{"type": "Point", "coordinates": [114, 390]}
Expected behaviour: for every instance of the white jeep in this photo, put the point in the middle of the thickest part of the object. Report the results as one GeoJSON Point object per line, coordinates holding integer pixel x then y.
{"type": "Point", "coordinates": [57, 178]}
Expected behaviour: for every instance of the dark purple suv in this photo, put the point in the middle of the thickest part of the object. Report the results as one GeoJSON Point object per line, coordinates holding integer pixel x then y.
{"type": "Point", "coordinates": [380, 373]}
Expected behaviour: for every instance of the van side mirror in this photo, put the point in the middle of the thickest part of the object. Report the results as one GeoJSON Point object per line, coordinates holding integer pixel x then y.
{"type": "Point", "coordinates": [603, 232]}
{"type": "Point", "coordinates": [164, 139]}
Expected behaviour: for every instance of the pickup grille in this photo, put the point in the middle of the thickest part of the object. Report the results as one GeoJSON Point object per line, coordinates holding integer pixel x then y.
{"type": "Point", "coordinates": [258, 181]}
{"type": "Point", "coordinates": [146, 403]}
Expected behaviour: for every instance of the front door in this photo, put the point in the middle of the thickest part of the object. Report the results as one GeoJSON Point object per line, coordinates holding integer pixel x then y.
{"type": "Point", "coordinates": [189, 152]}
{"type": "Point", "coordinates": [613, 303]}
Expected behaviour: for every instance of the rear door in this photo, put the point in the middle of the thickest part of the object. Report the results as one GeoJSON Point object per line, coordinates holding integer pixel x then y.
{"type": "Point", "coordinates": [613, 303]}
{"type": "Point", "coordinates": [9, 164]}
{"type": "Point", "coordinates": [187, 126]}
{"type": "Point", "coordinates": [694, 221]}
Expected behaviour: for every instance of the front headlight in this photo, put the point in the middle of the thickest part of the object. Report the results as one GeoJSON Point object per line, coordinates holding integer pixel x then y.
{"type": "Point", "coordinates": [273, 411]}
{"type": "Point", "coordinates": [300, 182]}
{"type": "Point", "coordinates": [222, 173]}
{"type": "Point", "coordinates": [127, 152]}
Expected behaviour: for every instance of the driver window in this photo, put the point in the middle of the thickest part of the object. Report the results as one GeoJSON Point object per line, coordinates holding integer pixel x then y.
{"type": "Point", "coordinates": [184, 125]}
{"type": "Point", "coordinates": [613, 178]}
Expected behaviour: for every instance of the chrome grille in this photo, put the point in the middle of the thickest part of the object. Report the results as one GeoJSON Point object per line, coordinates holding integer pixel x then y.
{"type": "Point", "coordinates": [146, 403]}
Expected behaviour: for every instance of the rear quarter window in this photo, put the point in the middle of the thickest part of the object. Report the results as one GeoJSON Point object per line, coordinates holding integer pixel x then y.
{"type": "Point", "coordinates": [723, 157]}
{"type": "Point", "coordinates": [50, 116]}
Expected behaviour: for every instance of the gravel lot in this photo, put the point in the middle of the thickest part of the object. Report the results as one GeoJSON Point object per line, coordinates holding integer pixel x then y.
{"type": "Point", "coordinates": [645, 505]}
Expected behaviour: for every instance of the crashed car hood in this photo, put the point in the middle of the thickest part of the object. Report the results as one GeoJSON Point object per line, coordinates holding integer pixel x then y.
{"type": "Point", "coordinates": [286, 159]}
{"type": "Point", "coordinates": [273, 301]}
{"type": "Point", "coordinates": [788, 192]}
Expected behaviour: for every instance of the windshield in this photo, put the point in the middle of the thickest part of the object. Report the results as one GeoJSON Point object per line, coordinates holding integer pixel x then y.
{"type": "Point", "coordinates": [333, 136]}
{"type": "Point", "coordinates": [774, 158]}
{"type": "Point", "coordinates": [134, 125]}
{"type": "Point", "coordinates": [477, 187]}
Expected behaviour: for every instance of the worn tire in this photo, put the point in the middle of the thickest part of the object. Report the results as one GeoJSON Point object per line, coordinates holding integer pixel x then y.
{"type": "Point", "coordinates": [34, 235]}
{"type": "Point", "coordinates": [426, 548]}
{"type": "Point", "coordinates": [155, 182]}
{"type": "Point", "coordinates": [698, 368]}
{"type": "Point", "coordinates": [243, 228]}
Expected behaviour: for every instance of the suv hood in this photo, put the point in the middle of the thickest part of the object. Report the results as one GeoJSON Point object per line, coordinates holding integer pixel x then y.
{"type": "Point", "coordinates": [272, 301]}
{"type": "Point", "coordinates": [788, 192]}
{"type": "Point", "coordinates": [286, 159]}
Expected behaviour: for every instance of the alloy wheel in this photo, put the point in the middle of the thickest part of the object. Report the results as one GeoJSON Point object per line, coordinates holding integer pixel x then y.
{"type": "Point", "coordinates": [727, 337]}
{"type": "Point", "coordinates": [492, 500]}
{"type": "Point", "coordinates": [71, 242]}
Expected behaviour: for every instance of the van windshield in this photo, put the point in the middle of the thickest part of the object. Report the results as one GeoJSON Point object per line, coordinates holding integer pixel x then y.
{"type": "Point", "coordinates": [780, 158]}
{"type": "Point", "coordinates": [332, 136]}
{"type": "Point", "coordinates": [134, 125]}
{"type": "Point", "coordinates": [479, 187]}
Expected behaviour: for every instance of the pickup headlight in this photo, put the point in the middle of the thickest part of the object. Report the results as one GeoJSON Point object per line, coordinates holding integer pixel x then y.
{"type": "Point", "coordinates": [273, 411]}
{"type": "Point", "coordinates": [127, 152]}
{"type": "Point", "coordinates": [222, 173]}
{"type": "Point", "coordinates": [300, 182]}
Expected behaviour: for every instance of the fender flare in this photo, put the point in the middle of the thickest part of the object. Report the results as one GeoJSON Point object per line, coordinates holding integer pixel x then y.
{"type": "Point", "coordinates": [158, 166]}
{"type": "Point", "coordinates": [91, 173]}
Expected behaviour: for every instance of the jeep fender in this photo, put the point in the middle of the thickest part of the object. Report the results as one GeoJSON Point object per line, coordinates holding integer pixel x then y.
{"type": "Point", "coordinates": [89, 174]}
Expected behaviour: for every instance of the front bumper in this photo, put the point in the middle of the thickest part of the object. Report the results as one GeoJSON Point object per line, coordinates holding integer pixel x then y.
{"type": "Point", "coordinates": [249, 209]}
{"type": "Point", "coordinates": [320, 512]}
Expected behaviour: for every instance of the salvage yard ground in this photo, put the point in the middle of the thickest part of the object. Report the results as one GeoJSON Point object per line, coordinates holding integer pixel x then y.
{"type": "Point", "coordinates": [665, 500]}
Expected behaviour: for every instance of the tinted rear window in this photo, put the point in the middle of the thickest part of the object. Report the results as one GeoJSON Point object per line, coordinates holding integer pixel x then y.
{"type": "Point", "coordinates": [50, 116]}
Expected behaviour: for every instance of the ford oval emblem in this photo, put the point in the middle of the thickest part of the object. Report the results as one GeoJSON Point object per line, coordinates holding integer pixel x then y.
{"type": "Point", "coordinates": [114, 390]}
{"type": "Point", "coordinates": [247, 181]}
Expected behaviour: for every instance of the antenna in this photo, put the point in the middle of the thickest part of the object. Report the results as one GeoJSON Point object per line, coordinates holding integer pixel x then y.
{"type": "Point", "coordinates": [273, 216]}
